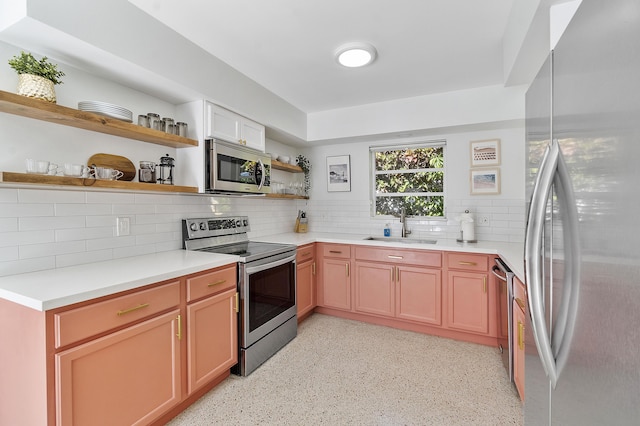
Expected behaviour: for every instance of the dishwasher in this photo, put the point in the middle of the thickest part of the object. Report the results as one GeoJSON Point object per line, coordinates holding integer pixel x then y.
{"type": "Point", "coordinates": [504, 312]}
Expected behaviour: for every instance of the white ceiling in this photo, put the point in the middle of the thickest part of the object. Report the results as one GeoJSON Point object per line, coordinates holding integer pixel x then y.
{"type": "Point", "coordinates": [287, 46]}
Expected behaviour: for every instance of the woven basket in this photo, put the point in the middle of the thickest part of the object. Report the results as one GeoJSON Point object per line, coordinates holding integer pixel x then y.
{"type": "Point", "coordinates": [34, 86]}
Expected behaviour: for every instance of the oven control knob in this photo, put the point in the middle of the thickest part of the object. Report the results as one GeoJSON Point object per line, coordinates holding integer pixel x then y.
{"type": "Point", "coordinates": [238, 223]}
{"type": "Point", "coordinates": [245, 222]}
{"type": "Point", "coordinates": [193, 226]}
{"type": "Point", "coordinates": [203, 226]}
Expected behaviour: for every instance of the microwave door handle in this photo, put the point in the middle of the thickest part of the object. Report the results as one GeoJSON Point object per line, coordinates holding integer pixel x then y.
{"type": "Point", "coordinates": [262, 175]}
{"type": "Point", "coordinates": [534, 244]}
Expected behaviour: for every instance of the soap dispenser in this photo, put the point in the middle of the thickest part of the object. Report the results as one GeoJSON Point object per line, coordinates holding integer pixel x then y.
{"type": "Point", "coordinates": [387, 230]}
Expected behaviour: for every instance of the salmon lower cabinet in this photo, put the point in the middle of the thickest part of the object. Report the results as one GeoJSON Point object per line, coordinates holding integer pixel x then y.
{"type": "Point", "coordinates": [133, 358]}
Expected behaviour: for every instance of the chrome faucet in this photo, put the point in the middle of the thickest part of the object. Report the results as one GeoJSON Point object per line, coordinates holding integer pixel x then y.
{"type": "Point", "coordinates": [403, 221]}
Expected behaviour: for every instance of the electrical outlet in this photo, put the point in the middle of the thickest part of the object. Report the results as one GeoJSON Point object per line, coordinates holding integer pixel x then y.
{"type": "Point", "coordinates": [483, 220]}
{"type": "Point", "coordinates": [123, 226]}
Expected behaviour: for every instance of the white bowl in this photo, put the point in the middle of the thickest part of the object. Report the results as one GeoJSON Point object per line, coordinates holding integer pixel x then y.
{"type": "Point", "coordinates": [283, 158]}
{"type": "Point", "coordinates": [274, 156]}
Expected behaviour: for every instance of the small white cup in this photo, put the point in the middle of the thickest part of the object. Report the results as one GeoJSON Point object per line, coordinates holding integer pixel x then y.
{"type": "Point", "coordinates": [37, 166]}
{"type": "Point", "coordinates": [73, 169]}
{"type": "Point", "coordinates": [106, 173]}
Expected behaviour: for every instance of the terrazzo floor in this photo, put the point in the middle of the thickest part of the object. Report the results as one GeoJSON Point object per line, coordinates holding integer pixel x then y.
{"type": "Point", "coordinates": [343, 372]}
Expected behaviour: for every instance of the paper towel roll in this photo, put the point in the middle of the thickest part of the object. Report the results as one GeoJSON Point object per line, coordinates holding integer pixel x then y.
{"type": "Point", "coordinates": [467, 227]}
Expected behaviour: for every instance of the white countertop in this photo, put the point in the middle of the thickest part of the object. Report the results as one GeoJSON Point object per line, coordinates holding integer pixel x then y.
{"type": "Point", "coordinates": [54, 288]}
{"type": "Point", "coordinates": [511, 253]}
{"type": "Point", "coordinates": [49, 289]}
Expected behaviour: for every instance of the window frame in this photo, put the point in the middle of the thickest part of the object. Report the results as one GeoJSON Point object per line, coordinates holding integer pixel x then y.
{"type": "Point", "coordinates": [438, 143]}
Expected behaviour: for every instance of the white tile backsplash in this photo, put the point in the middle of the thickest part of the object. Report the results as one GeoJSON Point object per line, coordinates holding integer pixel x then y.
{"type": "Point", "coordinates": [506, 219]}
{"type": "Point", "coordinates": [42, 229]}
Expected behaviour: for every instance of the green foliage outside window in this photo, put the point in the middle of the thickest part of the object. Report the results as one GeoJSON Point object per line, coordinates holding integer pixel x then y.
{"type": "Point", "coordinates": [412, 178]}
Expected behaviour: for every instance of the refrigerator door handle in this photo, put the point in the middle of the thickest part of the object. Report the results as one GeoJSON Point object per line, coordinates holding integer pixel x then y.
{"type": "Point", "coordinates": [563, 329]}
{"type": "Point", "coordinates": [534, 244]}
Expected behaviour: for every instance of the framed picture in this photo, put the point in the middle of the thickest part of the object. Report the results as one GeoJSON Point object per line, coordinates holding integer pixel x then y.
{"type": "Point", "coordinates": [339, 174]}
{"type": "Point", "coordinates": [485, 181]}
{"type": "Point", "coordinates": [485, 153]}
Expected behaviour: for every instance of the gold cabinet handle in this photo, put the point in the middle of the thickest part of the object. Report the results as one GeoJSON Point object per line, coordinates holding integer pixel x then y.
{"type": "Point", "coordinates": [394, 257]}
{"type": "Point", "coordinates": [335, 251]}
{"type": "Point", "coordinates": [484, 284]}
{"type": "Point", "coordinates": [347, 267]}
{"type": "Point", "coordinates": [179, 333]}
{"type": "Point", "coordinates": [313, 268]}
{"type": "Point", "coordinates": [397, 274]}
{"type": "Point", "coordinates": [467, 263]}
{"type": "Point", "coordinates": [216, 283]}
{"type": "Point", "coordinates": [305, 254]}
{"type": "Point", "coordinates": [520, 335]}
{"type": "Point", "coordinates": [126, 311]}
{"type": "Point", "coordinates": [237, 302]}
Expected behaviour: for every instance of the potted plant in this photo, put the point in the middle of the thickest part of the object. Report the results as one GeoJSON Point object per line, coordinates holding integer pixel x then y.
{"type": "Point", "coordinates": [305, 165]}
{"type": "Point", "coordinates": [36, 79]}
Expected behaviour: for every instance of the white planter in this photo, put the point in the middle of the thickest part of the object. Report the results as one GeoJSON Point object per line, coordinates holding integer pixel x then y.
{"type": "Point", "coordinates": [34, 86]}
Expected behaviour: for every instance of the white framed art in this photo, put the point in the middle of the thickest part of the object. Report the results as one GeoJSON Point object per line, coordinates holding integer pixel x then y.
{"type": "Point", "coordinates": [485, 181]}
{"type": "Point", "coordinates": [485, 153]}
{"type": "Point", "coordinates": [339, 173]}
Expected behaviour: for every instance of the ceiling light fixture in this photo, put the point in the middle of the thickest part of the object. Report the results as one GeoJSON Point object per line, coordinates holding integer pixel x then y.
{"type": "Point", "coordinates": [356, 54]}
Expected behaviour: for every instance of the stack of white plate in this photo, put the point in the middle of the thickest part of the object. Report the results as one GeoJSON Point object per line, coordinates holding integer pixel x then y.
{"type": "Point", "coordinates": [109, 110]}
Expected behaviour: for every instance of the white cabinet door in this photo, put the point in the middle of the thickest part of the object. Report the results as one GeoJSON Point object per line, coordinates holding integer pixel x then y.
{"type": "Point", "coordinates": [223, 124]}
{"type": "Point", "coordinates": [253, 134]}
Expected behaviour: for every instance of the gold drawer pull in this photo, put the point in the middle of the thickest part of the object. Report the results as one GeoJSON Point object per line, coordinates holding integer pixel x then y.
{"type": "Point", "coordinates": [179, 333]}
{"type": "Point", "coordinates": [126, 311]}
{"type": "Point", "coordinates": [313, 268]}
{"type": "Point", "coordinates": [520, 335]}
{"type": "Point", "coordinates": [394, 257]}
{"type": "Point", "coordinates": [306, 254]}
{"type": "Point", "coordinates": [520, 303]}
{"type": "Point", "coordinates": [468, 263]}
{"type": "Point", "coordinates": [217, 283]}
{"type": "Point", "coordinates": [335, 251]}
{"type": "Point", "coordinates": [347, 267]}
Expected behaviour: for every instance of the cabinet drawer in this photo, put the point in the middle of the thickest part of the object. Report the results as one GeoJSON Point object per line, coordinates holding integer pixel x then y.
{"type": "Point", "coordinates": [211, 283]}
{"type": "Point", "coordinates": [468, 262]}
{"type": "Point", "coordinates": [342, 251]}
{"type": "Point", "coordinates": [412, 257]}
{"type": "Point", "coordinates": [519, 294]}
{"type": "Point", "coordinates": [80, 323]}
{"type": "Point", "coordinates": [305, 253]}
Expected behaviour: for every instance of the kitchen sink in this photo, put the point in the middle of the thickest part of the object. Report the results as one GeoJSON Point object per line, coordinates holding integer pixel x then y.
{"type": "Point", "coordinates": [402, 240]}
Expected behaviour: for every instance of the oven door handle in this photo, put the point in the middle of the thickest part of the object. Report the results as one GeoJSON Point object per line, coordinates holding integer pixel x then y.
{"type": "Point", "coordinates": [269, 265]}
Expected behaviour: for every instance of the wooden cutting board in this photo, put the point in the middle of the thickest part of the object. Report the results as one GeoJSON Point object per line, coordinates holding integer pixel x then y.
{"type": "Point", "coordinates": [117, 162]}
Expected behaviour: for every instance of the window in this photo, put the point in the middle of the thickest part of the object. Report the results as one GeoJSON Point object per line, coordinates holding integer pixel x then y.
{"type": "Point", "coordinates": [409, 176]}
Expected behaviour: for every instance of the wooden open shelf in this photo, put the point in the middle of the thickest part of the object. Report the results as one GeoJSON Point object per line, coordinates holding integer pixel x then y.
{"type": "Point", "coordinates": [292, 197]}
{"type": "Point", "coordinates": [35, 179]}
{"type": "Point", "coordinates": [286, 167]}
{"type": "Point", "coordinates": [53, 113]}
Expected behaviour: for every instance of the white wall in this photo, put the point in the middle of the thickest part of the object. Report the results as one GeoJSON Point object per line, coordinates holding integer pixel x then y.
{"type": "Point", "coordinates": [350, 211]}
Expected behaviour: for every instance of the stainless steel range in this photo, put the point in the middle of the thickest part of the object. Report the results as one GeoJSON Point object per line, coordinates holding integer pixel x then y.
{"type": "Point", "coordinates": [266, 283]}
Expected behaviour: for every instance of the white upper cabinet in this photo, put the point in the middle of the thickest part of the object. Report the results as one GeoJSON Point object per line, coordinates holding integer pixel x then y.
{"type": "Point", "coordinates": [223, 124]}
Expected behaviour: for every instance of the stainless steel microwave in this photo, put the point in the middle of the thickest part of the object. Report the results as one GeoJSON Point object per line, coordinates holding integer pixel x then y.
{"type": "Point", "coordinates": [231, 168]}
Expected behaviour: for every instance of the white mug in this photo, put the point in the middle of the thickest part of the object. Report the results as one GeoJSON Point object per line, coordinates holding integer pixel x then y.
{"type": "Point", "coordinates": [106, 173]}
{"type": "Point", "coordinates": [37, 166]}
{"type": "Point", "coordinates": [73, 169]}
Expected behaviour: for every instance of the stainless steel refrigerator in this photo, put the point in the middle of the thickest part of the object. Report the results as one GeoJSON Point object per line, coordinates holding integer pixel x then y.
{"type": "Point", "coordinates": [582, 247]}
